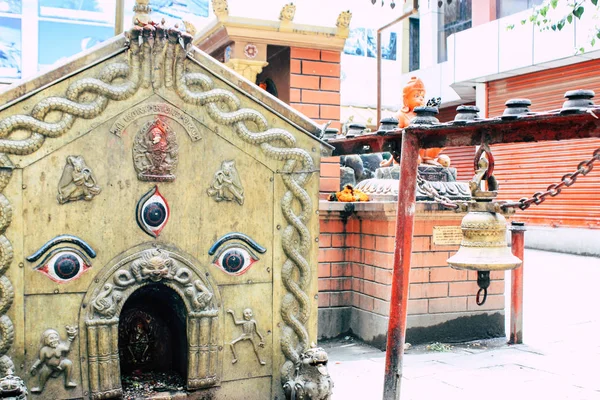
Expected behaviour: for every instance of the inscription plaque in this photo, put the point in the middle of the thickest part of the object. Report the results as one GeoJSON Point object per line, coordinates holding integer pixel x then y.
{"type": "Point", "coordinates": [447, 235]}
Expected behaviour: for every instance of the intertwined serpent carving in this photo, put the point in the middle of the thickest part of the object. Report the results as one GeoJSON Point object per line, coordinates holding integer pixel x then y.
{"type": "Point", "coordinates": [160, 60]}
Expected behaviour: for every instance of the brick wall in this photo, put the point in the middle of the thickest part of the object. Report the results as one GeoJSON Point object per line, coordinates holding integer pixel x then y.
{"type": "Point", "coordinates": [355, 271]}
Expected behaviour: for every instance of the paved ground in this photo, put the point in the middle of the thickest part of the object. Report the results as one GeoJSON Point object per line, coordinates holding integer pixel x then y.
{"type": "Point", "coordinates": [559, 360]}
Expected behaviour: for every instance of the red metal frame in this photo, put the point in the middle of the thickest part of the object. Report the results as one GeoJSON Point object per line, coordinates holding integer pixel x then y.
{"type": "Point", "coordinates": [525, 128]}
{"type": "Point", "coordinates": [516, 287]}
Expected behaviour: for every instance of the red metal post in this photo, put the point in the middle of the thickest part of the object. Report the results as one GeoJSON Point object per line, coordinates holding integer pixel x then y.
{"type": "Point", "coordinates": [404, 233]}
{"type": "Point", "coordinates": [516, 288]}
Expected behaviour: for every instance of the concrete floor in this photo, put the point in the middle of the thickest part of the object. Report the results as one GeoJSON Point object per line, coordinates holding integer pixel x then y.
{"type": "Point", "coordinates": [559, 360]}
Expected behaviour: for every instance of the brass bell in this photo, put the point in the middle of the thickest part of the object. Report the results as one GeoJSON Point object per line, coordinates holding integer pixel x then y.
{"type": "Point", "coordinates": [484, 248]}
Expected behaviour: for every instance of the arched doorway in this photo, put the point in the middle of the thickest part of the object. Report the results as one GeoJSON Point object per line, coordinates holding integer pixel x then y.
{"type": "Point", "coordinates": [149, 302]}
{"type": "Point", "coordinates": [152, 339]}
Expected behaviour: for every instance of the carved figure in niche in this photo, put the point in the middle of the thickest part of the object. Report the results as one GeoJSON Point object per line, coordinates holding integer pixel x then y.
{"type": "Point", "coordinates": [226, 184]}
{"type": "Point", "coordinates": [199, 295]}
{"type": "Point", "coordinates": [313, 381]}
{"type": "Point", "coordinates": [287, 13]}
{"type": "Point", "coordinates": [343, 20]}
{"type": "Point", "coordinates": [155, 265]}
{"type": "Point", "coordinates": [155, 152]}
{"type": "Point", "coordinates": [107, 301]}
{"type": "Point", "coordinates": [139, 342]}
{"type": "Point", "coordinates": [77, 182]}
{"type": "Point", "coordinates": [249, 329]}
{"type": "Point", "coordinates": [52, 361]}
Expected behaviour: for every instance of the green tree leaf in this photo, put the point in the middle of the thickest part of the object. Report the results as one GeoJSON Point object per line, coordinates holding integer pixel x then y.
{"type": "Point", "coordinates": [554, 3]}
{"type": "Point", "coordinates": [578, 12]}
{"type": "Point", "coordinates": [594, 2]}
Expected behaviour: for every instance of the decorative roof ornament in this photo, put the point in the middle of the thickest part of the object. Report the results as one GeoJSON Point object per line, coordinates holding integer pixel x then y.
{"type": "Point", "coordinates": [221, 9]}
{"type": "Point", "coordinates": [141, 12]}
{"type": "Point", "coordinates": [287, 13]}
{"type": "Point", "coordinates": [343, 23]}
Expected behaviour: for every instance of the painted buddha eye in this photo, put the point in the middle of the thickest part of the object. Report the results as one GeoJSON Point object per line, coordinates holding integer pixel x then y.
{"type": "Point", "coordinates": [64, 264]}
{"type": "Point", "coordinates": [235, 259]}
{"type": "Point", "coordinates": [152, 212]}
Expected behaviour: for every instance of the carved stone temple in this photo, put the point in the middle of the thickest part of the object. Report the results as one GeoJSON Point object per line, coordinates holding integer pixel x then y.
{"type": "Point", "coordinates": [158, 214]}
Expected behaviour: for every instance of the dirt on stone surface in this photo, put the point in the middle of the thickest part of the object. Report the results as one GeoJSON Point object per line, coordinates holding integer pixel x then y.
{"type": "Point", "coordinates": [144, 385]}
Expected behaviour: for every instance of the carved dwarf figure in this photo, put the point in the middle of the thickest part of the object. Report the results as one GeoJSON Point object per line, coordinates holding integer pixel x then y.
{"type": "Point", "coordinates": [249, 329]}
{"type": "Point", "coordinates": [226, 184]}
{"type": "Point", "coordinates": [77, 181]}
{"type": "Point", "coordinates": [313, 381]}
{"type": "Point", "coordinates": [52, 361]}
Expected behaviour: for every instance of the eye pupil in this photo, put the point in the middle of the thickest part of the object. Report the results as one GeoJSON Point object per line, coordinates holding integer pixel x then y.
{"type": "Point", "coordinates": [233, 261]}
{"type": "Point", "coordinates": [154, 214]}
{"type": "Point", "coordinates": [66, 266]}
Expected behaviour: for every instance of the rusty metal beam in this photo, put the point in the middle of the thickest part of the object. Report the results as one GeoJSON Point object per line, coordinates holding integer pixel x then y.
{"type": "Point", "coordinates": [516, 287]}
{"type": "Point", "coordinates": [530, 128]}
{"type": "Point", "coordinates": [402, 255]}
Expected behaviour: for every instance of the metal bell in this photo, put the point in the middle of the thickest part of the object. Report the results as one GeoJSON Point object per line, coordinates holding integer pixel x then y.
{"type": "Point", "coordinates": [484, 247]}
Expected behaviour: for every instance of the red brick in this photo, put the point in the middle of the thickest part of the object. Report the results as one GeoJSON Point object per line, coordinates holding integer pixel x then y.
{"type": "Point", "coordinates": [331, 56]}
{"type": "Point", "coordinates": [383, 276]}
{"type": "Point", "coordinates": [331, 255]}
{"type": "Point", "coordinates": [332, 160]}
{"type": "Point", "coordinates": [368, 273]}
{"type": "Point", "coordinates": [493, 302]}
{"type": "Point", "coordinates": [332, 112]}
{"type": "Point", "coordinates": [353, 240]}
{"type": "Point", "coordinates": [494, 275]}
{"type": "Point", "coordinates": [324, 284]}
{"type": "Point", "coordinates": [385, 243]}
{"type": "Point", "coordinates": [356, 255]}
{"type": "Point", "coordinates": [421, 243]}
{"type": "Point", "coordinates": [357, 285]}
{"type": "Point", "coordinates": [468, 288]}
{"type": "Point", "coordinates": [341, 269]}
{"type": "Point", "coordinates": [419, 275]}
{"type": "Point", "coordinates": [427, 290]}
{"type": "Point", "coordinates": [365, 302]}
{"type": "Point", "coordinates": [353, 225]}
{"type": "Point", "coordinates": [378, 259]}
{"type": "Point", "coordinates": [367, 242]}
{"type": "Point", "coordinates": [381, 307]}
{"type": "Point", "coordinates": [324, 299]}
{"type": "Point", "coordinates": [306, 54]}
{"type": "Point", "coordinates": [447, 274]}
{"type": "Point", "coordinates": [341, 299]}
{"type": "Point", "coordinates": [338, 240]}
{"type": "Point", "coordinates": [329, 184]}
{"type": "Point", "coordinates": [377, 290]}
{"type": "Point", "coordinates": [419, 306]}
{"type": "Point", "coordinates": [447, 304]}
{"type": "Point", "coordinates": [324, 240]}
{"type": "Point", "coordinates": [330, 170]}
{"type": "Point", "coordinates": [357, 271]}
{"type": "Point", "coordinates": [294, 95]}
{"type": "Point", "coordinates": [382, 228]}
{"type": "Point", "coordinates": [304, 82]}
{"type": "Point", "coordinates": [324, 270]}
{"type": "Point", "coordinates": [295, 66]}
{"type": "Point", "coordinates": [331, 84]}
{"type": "Point", "coordinates": [320, 97]}
{"type": "Point", "coordinates": [310, 110]}
{"type": "Point", "coordinates": [429, 259]}
{"type": "Point", "coordinates": [320, 68]}
{"type": "Point", "coordinates": [331, 226]}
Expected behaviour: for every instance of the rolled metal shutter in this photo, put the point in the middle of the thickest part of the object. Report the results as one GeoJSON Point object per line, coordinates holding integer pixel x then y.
{"type": "Point", "coordinates": [461, 157]}
{"type": "Point", "coordinates": [524, 168]}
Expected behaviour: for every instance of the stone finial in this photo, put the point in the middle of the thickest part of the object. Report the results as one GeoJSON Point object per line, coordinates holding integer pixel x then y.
{"type": "Point", "coordinates": [287, 13]}
{"type": "Point", "coordinates": [343, 23]}
{"type": "Point", "coordinates": [141, 12]}
{"type": "Point", "coordinates": [190, 28]}
{"type": "Point", "coordinates": [220, 9]}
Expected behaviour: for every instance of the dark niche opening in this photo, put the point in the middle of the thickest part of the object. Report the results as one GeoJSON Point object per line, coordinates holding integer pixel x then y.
{"type": "Point", "coordinates": [153, 340]}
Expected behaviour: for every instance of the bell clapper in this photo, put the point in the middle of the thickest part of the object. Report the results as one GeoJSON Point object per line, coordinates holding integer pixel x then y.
{"type": "Point", "coordinates": [483, 281]}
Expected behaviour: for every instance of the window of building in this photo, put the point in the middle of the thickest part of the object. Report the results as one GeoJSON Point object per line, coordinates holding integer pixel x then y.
{"type": "Point", "coordinates": [413, 49]}
{"type": "Point", "coordinates": [505, 8]}
{"type": "Point", "coordinates": [454, 17]}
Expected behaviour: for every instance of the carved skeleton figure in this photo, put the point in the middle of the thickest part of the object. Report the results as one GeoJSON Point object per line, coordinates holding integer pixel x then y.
{"type": "Point", "coordinates": [77, 182]}
{"type": "Point", "coordinates": [226, 184]}
{"type": "Point", "coordinates": [155, 265]}
{"type": "Point", "coordinates": [51, 361]}
{"type": "Point", "coordinates": [249, 329]}
{"type": "Point", "coordinates": [312, 381]}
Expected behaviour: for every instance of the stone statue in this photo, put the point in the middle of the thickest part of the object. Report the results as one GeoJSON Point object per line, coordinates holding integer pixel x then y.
{"type": "Point", "coordinates": [52, 361]}
{"type": "Point", "coordinates": [343, 20]}
{"type": "Point", "coordinates": [249, 329]}
{"type": "Point", "coordinates": [77, 182]}
{"type": "Point", "coordinates": [287, 12]}
{"type": "Point", "coordinates": [220, 8]}
{"type": "Point", "coordinates": [413, 95]}
{"type": "Point", "coordinates": [313, 381]}
{"type": "Point", "coordinates": [226, 184]}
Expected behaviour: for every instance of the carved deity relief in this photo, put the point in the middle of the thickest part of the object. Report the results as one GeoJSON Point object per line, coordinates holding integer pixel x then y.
{"type": "Point", "coordinates": [249, 332]}
{"type": "Point", "coordinates": [226, 184]}
{"type": "Point", "coordinates": [155, 152]}
{"type": "Point", "coordinates": [77, 182]}
{"type": "Point", "coordinates": [52, 361]}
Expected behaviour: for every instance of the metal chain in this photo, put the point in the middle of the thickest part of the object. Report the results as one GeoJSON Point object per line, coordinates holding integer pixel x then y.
{"type": "Point", "coordinates": [554, 190]}
{"type": "Point", "coordinates": [430, 190]}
